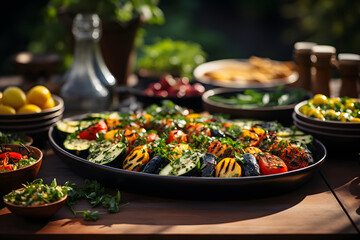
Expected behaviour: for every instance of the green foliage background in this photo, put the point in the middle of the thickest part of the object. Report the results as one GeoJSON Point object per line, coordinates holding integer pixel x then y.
{"type": "Point", "coordinates": [224, 29]}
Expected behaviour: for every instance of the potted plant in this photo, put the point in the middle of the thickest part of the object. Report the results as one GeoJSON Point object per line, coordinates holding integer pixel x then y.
{"type": "Point", "coordinates": [167, 56]}
{"type": "Point", "coordinates": [121, 20]}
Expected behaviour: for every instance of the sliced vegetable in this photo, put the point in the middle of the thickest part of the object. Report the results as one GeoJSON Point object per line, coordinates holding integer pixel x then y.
{"type": "Point", "coordinates": [106, 153]}
{"type": "Point", "coordinates": [155, 165]}
{"type": "Point", "coordinates": [176, 136]}
{"type": "Point", "coordinates": [208, 165]}
{"type": "Point", "coordinates": [77, 144]}
{"type": "Point", "coordinates": [250, 166]}
{"type": "Point", "coordinates": [136, 159]}
{"type": "Point", "coordinates": [227, 168]}
{"type": "Point", "coordinates": [72, 126]}
{"type": "Point", "coordinates": [271, 164]}
{"type": "Point", "coordinates": [90, 132]}
{"type": "Point", "coordinates": [183, 165]}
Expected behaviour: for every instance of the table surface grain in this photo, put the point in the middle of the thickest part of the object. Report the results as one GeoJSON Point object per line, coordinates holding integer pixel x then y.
{"type": "Point", "coordinates": [323, 208]}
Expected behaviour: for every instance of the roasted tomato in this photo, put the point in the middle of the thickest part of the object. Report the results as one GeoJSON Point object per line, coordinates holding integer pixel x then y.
{"type": "Point", "coordinates": [220, 150]}
{"type": "Point", "coordinates": [227, 167]}
{"type": "Point", "coordinates": [177, 136]}
{"type": "Point", "coordinates": [137, 158]}
{"type": "Point", "coordinates": [196, 129]}
{"type": "Point", "coordinates": [90, 132]}
{"type": "Point", "coordinates": [161, 125]}
{"type": "Point", "coordinates": [271, 164]}
{"type": "Point", "coordinates": [294, 157]}
{"type": "Point", "coordinates": [151, 137]}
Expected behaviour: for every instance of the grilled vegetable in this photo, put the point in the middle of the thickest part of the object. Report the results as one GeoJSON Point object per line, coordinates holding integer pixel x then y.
{"type": "Point", "coordinates": [77, 144]}
{"type": "Point", "coordinates": [176, 136]}
{"type": "Point", "coordinates": [72, 126]}
{"type": "Point", "coordinates": [227, 167]}
{"type": "Point", "coordinates": [250, 166]}
{"type": "Point", "coordinates": [136, 159]}
{"type": "Point", "coordinates": [220, 150]}
{"type": "Point", "coordinates": [90, 132]}
{"type": "Point", "coordinates": [106, 153]}
{"type": "Point", "coordinates": [155, 165]}
{"type": "Point", "coordinates": [184, 165]}
{"type": "Point", "coordinates": [196, 129]}
{"type": "Point", "coordinates": [252, 150]}
{"type": "Point", "coordinates": [271, 164]}
{"type": "Point", "coordinates": [252, 137]}
{"type": "Point", "coordinates": [208, 165]}
{"type": "Point", "coordinates": [178, 150]}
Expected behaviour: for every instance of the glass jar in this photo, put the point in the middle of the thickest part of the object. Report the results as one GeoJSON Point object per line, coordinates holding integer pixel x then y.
{"type": "Point", "coordinates": [85, 87]}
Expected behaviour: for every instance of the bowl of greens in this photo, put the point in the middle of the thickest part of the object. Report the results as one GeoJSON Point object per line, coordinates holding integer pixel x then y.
{"type": "Point", "coordinates": [37, 199]}
{"type": "Point", "coordinates": [15, 138]}
{"type": "Point", "coordinates": [263, 104]}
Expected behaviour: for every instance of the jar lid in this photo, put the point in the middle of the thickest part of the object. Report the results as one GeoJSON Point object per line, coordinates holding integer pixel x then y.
{"type": "Point", "coordinates": [349, 57]}
{"type": "Point", "coordinates": [323, 49]}
{"type": "Point", "coordinates": [304, 45]}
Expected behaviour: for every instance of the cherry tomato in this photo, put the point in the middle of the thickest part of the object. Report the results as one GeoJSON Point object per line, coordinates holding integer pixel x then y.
{"type": "Point", "coordinates": [271, 164]}
{"type": "Point", "coordinates": [90, 132]}
{"type": "Point", "coordinates": [177, 136]}
{"type": "Point", "coordinates": [151, 137]}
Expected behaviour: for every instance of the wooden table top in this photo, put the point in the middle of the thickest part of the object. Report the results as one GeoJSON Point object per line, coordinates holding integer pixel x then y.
{"type": "Point", "coordinates": [326, 207]}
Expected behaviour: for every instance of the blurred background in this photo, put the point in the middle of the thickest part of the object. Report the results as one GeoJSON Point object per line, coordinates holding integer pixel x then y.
{"type": "Point", "coordinates": [223, 29]}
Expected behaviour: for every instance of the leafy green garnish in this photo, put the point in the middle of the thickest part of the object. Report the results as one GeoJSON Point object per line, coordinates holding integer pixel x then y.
{"type": "Point", "coordinates": [95, 194]}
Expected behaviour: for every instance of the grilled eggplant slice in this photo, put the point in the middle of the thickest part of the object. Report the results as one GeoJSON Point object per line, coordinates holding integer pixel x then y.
{"type": "Point", "coordinates": [155, 165]}
{"type": "Point", "coordinates": [208, 165]}
{"type": "Point", "coordinates": [250, 166]}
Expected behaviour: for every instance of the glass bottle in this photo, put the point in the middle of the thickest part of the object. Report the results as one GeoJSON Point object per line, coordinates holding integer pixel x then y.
{"type": "Point", "coordinates": [83, 90]}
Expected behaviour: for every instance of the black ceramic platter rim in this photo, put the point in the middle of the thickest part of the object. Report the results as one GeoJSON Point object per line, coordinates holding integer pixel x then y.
{"type": "Point", "coordinates": [330, 123]}
{"type": "Point", "coordinates": [187, 187]}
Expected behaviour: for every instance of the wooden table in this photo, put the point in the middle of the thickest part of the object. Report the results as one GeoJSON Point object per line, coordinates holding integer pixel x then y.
{"type": "Point", "coordinates": [326, 207]}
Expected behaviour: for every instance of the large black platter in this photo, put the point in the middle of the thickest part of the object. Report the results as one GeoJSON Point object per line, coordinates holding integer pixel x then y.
{"type": "Point", "coordinates": [188, 187]}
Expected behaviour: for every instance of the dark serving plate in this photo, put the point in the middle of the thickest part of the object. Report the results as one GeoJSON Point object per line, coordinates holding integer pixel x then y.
{"type": "Point", "coordinates": [187, 187]}
{"type": "Point", "coordinates": [281, 113]}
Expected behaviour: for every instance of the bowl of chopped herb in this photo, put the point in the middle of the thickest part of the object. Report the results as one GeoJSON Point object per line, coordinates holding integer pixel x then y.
{"type": "Point", "coordinates": [18, 164]}
{"type": "Point", "coordinates": [36, 199]}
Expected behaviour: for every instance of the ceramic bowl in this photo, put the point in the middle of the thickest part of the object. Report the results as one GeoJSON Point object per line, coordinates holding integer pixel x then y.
{"type": "Point", "coordinates": [280, 113]}
{"type": "Point", "coordinates": [319, 122]}
{"type": "Point", "coordinates": [12, 180]}
{"type": "Point", "coordinates": [41, 211]}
